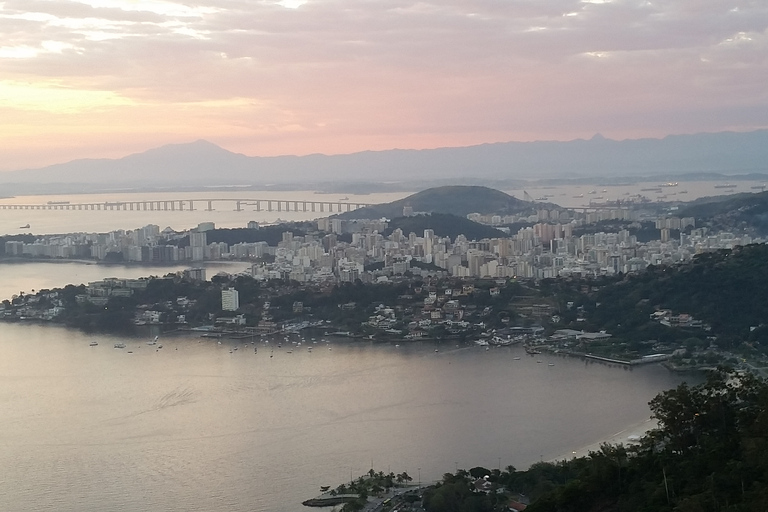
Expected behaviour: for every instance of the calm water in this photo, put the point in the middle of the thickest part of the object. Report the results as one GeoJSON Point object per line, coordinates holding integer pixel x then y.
{"type": "Point", "coordinates": [193, 426]}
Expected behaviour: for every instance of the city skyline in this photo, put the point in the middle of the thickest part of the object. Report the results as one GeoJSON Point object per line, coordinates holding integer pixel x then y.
{"type": "Point", "coordinates": [107, 78]}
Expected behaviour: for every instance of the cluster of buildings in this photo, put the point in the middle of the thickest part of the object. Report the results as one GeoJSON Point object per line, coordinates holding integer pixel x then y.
{"type": "Point", "coordinates": [547, 248]}
{"type": "Point", "coordinates": [544, 250]}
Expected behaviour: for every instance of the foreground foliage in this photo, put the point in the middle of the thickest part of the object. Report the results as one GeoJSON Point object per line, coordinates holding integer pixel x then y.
{"type": "Point", "coordinates": [709, 453]}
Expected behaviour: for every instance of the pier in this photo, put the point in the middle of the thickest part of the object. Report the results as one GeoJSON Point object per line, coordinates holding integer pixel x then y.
{"type": "Point", "coordinates": [248, 204]}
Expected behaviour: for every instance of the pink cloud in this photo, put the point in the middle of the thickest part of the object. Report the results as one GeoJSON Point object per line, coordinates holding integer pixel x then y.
{"type": "Point", "coordinates": [339, 76]}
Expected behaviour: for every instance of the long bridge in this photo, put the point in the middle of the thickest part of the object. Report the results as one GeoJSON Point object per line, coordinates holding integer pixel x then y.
{"type": "Point", "coordinates": [259, 205]}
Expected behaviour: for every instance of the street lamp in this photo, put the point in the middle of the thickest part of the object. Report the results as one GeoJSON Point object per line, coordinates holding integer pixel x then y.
{"type": "Point", "coordinates": [419, 470]}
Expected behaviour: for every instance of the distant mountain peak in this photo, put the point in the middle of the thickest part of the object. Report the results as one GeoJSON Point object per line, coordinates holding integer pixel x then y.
{"type": "Point", "coordinates": [598, 137]}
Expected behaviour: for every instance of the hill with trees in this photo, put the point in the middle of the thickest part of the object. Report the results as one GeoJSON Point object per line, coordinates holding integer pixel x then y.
{"type": "Point", "coordinates": [738, 211]}
{"type": "Point", "coordinates": [454, 200]}
{"type": "Point", "coordinates": [725, 292]}
{"type": "Point", "coordinates": [709, 453]}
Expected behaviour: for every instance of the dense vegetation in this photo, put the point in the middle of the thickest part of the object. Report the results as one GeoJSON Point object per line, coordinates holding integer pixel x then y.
{"type": "Point", "coordinates": [456, 200]}
{"type": "Point", "coordinates": [727, 289]}
{"type": "Point", "coordinates": [732, 212]}
{"type": "Point", "coordinates": [709, 453]}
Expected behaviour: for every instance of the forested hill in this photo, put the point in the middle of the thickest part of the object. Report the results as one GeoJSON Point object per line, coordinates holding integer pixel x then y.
{"type": "Point", "coordinates": [443, 225]}
{"type": "Point", "coordinates": [709, 454]}
{"type": "Point", "coordinates": [456, 200]}
{"type": "Point", "coordinates": [728, 289]}
{"type": "Point", "coordinates": [724, 213]}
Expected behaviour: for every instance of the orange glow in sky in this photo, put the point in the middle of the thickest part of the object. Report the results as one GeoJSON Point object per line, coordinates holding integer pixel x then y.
{"type": "Point", "coordinates": [106, 78]}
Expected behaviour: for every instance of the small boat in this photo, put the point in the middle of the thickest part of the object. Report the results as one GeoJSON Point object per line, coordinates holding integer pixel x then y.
{"type": "Point", "coordinates": [119, 345]}
{"type": "Point", "coordinates": [153, 342]}
{"type": "Point", "coordinates": [93, 343]}
{"type": "Point", "coordinates": [159, 346]}
{"type": "Point", "coordinates": [517, 358]}
{"type": "Point", "coordinates": [24, 227]}
{"type": "Point", "coordinates": [551, 364]}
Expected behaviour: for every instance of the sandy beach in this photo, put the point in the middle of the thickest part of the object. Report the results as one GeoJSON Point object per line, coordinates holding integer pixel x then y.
{"type": "Point", "coordinates": [633, 432]}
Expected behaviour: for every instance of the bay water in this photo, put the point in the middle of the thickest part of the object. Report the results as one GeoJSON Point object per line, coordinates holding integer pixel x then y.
{"type": "Point", "coordinates": [202, 426]}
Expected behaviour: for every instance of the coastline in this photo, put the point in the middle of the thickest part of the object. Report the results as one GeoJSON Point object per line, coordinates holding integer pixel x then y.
{"type": "Point", "coordinates": [22, 259]}
{"type": "Point", "coordinates": [626, 436]}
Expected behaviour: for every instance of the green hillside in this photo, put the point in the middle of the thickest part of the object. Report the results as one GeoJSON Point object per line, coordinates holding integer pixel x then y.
{"type": "Point", "coordinates": [455, 200]}
{"type": "Point", "coordinates": [727, 289]}
{"type": "Point", "coordinates": [737, 211]}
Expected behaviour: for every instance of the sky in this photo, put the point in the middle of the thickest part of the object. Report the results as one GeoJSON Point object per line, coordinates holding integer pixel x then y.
{"type": "Point", "coordinates": [106, 78]}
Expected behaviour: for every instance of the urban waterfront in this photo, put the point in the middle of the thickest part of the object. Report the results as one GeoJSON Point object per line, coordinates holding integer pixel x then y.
{"type": "Point", "coordinates": [200, 426]}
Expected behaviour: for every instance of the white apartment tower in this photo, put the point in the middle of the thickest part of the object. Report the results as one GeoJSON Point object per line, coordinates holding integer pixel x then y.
{"type": "Point", "coordinates": [230, 299]}
{"type": "Point", "coordinates": [197, 242]}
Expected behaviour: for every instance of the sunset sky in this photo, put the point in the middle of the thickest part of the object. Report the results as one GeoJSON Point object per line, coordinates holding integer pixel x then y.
{"type": "Point", "coordinates": [105, 78]}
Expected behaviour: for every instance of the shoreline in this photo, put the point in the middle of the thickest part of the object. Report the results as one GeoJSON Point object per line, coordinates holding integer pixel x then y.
{"type": "Point", "coordinates": [20, 260]}
{"type": "Point", "coordinates": [626, 436]}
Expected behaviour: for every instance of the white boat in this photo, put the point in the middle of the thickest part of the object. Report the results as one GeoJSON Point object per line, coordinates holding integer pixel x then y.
{"type": "Point", "coordinates": [498, 340]}
{"type": "Point", "coordinates": [153, 342]}
{"type": "Point", "coordinates": [119, 345]}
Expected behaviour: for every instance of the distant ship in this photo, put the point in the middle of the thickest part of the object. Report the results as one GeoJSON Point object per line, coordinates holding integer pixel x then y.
{"type": "Point", "coordinates": [726, 185]}
{"type": "Point", "coordinates": [26, 226]}
{"type": "Point", "coordinates": [58, 202]}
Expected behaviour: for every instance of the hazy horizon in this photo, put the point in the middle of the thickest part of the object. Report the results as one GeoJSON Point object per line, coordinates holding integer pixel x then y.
{"type": "Point", "coordinates": [110, 78]}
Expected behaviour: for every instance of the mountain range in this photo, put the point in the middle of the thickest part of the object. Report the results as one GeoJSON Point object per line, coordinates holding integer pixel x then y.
{"type": "Point", "coordinates": [204, 164]}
